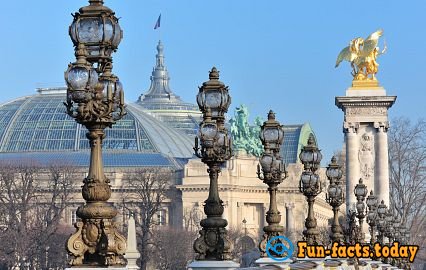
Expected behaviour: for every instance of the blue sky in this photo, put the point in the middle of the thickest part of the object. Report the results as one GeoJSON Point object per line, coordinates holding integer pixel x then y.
{"type": "Point", "coordinates": [274, 54]}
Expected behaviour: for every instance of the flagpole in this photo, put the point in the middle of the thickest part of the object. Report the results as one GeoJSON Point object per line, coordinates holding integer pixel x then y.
{"type": "Point", "coordinates": [159, 30]}
{"type": "Point", "coordinates": [158, 25]}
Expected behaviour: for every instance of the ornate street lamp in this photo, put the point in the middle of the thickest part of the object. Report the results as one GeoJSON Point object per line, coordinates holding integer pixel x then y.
{"type": "Point", "coordinates": [381, 222]}
{"type": "Point", "coordinates": [360, 193]}
{"type": "Point", "coordinates": [97, 28]}
{"type": "Point", "coordinates": [372, 204]}
{"type": "Point", "coordinates": [389, 226]}
{"type": "Point", "coordinates": [310, 186]}
{"type": "Point", "coordinates": [335, 198]}
{"type": "Point", "coordinates": [213, 242]}
{"type": "Point", "coordinates": [353, 231]}
{"type": "Point", "coordinates": [272, 172]}
{"type": "Point", "coordinates": [95, 99]}
{"type": "Point", "coordinates": [213, 95]}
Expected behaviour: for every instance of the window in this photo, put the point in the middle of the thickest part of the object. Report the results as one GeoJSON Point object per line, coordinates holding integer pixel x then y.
{"type": "Point", "coordinates": [161, 217]}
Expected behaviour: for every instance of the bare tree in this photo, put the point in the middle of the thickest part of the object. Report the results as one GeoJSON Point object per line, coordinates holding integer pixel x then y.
{"type": "Point", "coordinates": [407, 159]}
{"type": "Point", "coordinates": [148, 190]}
{"type": "Point", "coordinates": [192, 217]}
{"type": "Point", "coordinates": [173, 248]}
{"type": "Point", "coordinates": [32, 200]}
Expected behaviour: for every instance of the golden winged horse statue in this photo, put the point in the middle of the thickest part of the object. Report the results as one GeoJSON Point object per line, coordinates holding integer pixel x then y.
{"type": "Point", "coordinates": [362, 54]}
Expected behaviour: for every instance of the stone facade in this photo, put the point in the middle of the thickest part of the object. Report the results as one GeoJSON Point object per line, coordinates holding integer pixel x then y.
{"type": "Point", "coordinates": [246, 197]}
{"type": "Point", "coordinates": [365, 127]}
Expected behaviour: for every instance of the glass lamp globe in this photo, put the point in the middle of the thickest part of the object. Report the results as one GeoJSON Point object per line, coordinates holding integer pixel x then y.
{"type": "Point", "coordinates": [360, 207]}
{"type": "Point", "coordinates": [214, 95]}
{"type": "Point", "coordinates": [271, 133]}
{"type": "Point", "coordinates": [112, 88]}
{"type": "Point", "coordinates": [310, 153]}
{"type": "Point", "coordinates": [96, 27]}
{"type": "Point", "coordinates": [339, 192]}
{"type": "Point", "coordinates": [360, 189]}
{"type": "Point", "coordinates": [382, 209]}
{"type": "Point", "coordinates": [309, 179]}
{"type": "Point", "coordinates": [372, 201]}
{"type": "Point", "coordinates": [80, 79]}
{"type": "Point", "coordinates": [334, 170]}
{"type": "Point", "coordinates": [266, 161]}
{"type": "Point", "coordinates": [207, 134]}
{"type": "Point", "coordinates": [371, 216]}
{"type": "Point", "coordinates": [332, 191]}
{"type": "Point", "coordinates": [222, 139]}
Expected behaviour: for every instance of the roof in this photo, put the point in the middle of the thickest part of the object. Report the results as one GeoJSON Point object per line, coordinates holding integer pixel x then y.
{"type": "Point", "coordinates": [38, 123]}
{"type": "Point", "coordinates": [295, 137]}
{"type": "Point", "coordinates": [83, 158]}
{"type": "Point", "coordinates": [162, 103]}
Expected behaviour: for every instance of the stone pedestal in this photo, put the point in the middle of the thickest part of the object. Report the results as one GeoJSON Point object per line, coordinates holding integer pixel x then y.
{"type": "Point", "coordinates": [365, 127]}
{"type": "Point", "coordinates": [132, 253]}
{"type": "Point", "coordinates": [309, 263]}
{"type": "Point", "coordinates": [214, 265]}
{"type": "Point", "coordinates": [289, 222]}
{"type": "Point", "coordinates": [268, 261]}
{"type": "Point", "coordinates": [96, 268]}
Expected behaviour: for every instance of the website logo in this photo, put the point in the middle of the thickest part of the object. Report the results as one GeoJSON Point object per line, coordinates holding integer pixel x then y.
{"type": "Point", "coordinates": [279, 248]}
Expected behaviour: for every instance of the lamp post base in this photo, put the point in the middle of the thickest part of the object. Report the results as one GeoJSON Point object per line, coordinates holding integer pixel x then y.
{"type": "Point", "coordinates": [269, 261]}
{"type": "Point", "coordinates": [96, 268]}
{"type": "Point", "coordinates": [215, 265]}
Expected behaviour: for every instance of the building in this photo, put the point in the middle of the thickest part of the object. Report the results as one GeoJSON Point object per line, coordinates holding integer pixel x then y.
{"type": "Point", "coordinates": [161, 102]}
{"type": "Point", "coordinates": [157, 132]}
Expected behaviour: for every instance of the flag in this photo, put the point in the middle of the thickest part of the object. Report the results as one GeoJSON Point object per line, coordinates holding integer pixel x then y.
{"type": "Point", "coordinates": [157, 24]}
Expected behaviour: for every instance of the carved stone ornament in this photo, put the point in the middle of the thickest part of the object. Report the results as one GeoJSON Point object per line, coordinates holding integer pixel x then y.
{"type": "Point", "coordinates": [213, 243]}
{"type": "Point", "coordinates": [350, 127]}
{"type": "Point", "coordinates": [382, 126]}
{"type": "Point", "coordinates": [366, 156]}
{"type": "Point", "coordinates": [97, 242]}
{"type": "Point", "coordinates": [267, 236]}
{"type": "Point", "coordinates": [372, 111]}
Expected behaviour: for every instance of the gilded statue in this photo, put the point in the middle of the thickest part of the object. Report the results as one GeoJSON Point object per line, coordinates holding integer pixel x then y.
{"type": "Point", "coordinates": [362, 54]}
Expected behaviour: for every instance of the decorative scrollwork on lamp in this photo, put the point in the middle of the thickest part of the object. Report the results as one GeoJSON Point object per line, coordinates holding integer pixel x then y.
{"type": "Point", "coordinates": [95, 99]}
{"type": "Point", "coordinates": [272, 172]}
{"type": "Point", "coordinates": [335, 198]}
{"type": "Point", "coordinates": [361, 192]}
{"type": "Point", "coordinates": [213, 146]}
{"type": "Point", "coordinates": [310, 186]}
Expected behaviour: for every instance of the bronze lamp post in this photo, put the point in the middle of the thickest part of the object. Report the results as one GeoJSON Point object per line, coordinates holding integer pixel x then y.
{"type": "Point", "coordinates": [310, 186]}
{"type": "Point", "coordinates": [215, 149]}
{"type": "Point", "coordinates": [360, 191]}
{"type": "Point", "coordinates": [335, 198]}
{"type": "Point", "coordinates": [272, 172]}
{"type": "Point", "coordinates": [372, 215]}
{"type": "Point", "coordinates": [95, 99]}
{"type": "Point", "coordinates": [381, 222]}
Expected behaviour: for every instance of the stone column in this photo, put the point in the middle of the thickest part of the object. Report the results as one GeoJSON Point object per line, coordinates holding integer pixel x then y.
{"type": "Point", "coordinates": [132, 253]}
{"type": "Point", "coordinates": [289, 217]}
{"type": "Point", "coordinates": [352, 162]}
{"type": "Point", "coordinates": [381, 177]}
{"type": "Point", "coordinates": [289, 224]}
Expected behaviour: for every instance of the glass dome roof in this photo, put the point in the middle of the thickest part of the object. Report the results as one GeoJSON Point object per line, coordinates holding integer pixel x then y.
{"type": "Point", "coordinates": [162, 103]}
{"type": "Point", "coordinates": [38, 123]}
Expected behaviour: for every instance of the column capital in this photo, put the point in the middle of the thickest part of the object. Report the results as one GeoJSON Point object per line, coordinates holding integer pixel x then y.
{"type": "Point", "coordinates": [350, 127]}
{"type": "Point", "coordinates": [289, 205]}
{"type": "Point", "coordinates": [381, 126]}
